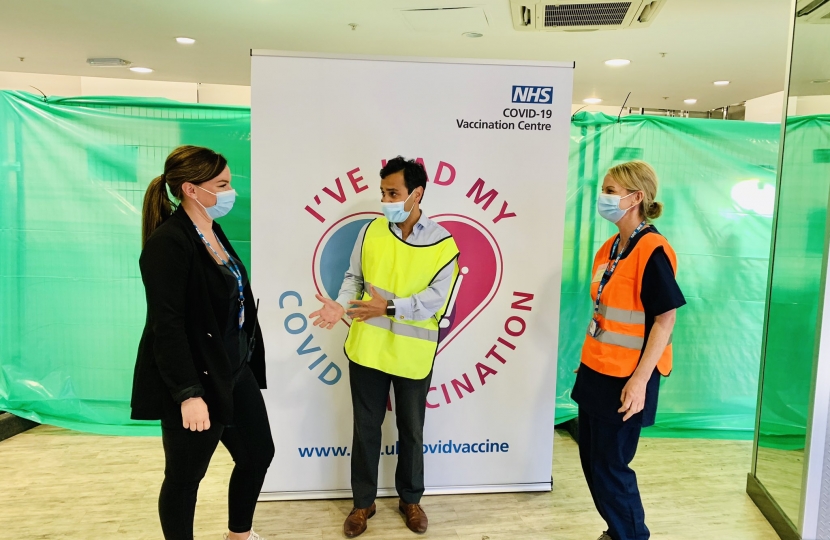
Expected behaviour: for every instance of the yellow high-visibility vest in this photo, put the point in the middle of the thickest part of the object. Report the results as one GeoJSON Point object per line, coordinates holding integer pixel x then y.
{"type": "Point", "coordinates": [398, 270]}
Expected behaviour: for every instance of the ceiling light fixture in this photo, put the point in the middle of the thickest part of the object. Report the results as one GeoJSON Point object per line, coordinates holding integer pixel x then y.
{"type": "Point", "coordinates": [185, 40]}
{"type": "Point", "coordinates": [721, 83]}
{"type": "Point", "coordinates": [592, 100]}
{"type": "Point", "coordinates": [472, 34]}
{"type": "Point", "coordinates": [690, 101]}
{"type": "Point", "coordinates": [141, 69]}
{"type": "Point", "coordinates": [617, 62]}
{"type": "Point", "coordinates": [108, 62]}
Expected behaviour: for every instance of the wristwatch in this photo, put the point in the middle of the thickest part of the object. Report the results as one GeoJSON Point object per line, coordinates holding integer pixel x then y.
{"type": "Point", "coordinates": [390, 308]}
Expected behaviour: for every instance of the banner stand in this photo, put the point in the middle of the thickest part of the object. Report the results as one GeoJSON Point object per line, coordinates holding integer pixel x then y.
{"type": "Point", "coordinates": [493, 137]}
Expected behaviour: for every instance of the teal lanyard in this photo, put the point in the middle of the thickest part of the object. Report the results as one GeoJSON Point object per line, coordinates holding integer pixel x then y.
{"type": "Point", "coordinates": [234, 269]}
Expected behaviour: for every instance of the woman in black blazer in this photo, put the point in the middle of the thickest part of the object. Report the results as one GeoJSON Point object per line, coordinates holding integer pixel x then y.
{"type": "Point", "coordinates": [201, 362]}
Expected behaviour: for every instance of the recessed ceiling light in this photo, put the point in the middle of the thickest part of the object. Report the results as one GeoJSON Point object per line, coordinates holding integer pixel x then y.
{"type": "Point", "coordinates": [821, 81]}
{"type": "Point", "coordinates": [617, 62]}
{"type": "Point", "coordinates": [141, 69]}
{"type": "Point", "coordinates": [472, 34]}
{"type": "Point", "coordinates": [721, 83]}
{"type": "Point", "coordinates": [185, 40]}
{"type": "Point", "coordinates": [592, 100]}
{"type": "Point", "coordinates": [690, 101]}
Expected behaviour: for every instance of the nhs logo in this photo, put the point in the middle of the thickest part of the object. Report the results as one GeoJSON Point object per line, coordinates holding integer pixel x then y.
{"type": "Point", "coordinates": [533, 94]}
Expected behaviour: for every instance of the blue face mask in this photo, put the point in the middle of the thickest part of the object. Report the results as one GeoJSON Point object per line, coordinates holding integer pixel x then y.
{"type": "Point", "coordinates": [396, 212]}
{"type": "Point", "coordinates": [224, 203]}
{"type": "Point", "coordinates": [608, 206]}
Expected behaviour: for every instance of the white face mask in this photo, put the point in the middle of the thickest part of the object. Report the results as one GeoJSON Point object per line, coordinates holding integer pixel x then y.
{"type": "Point", "coordinates": [224, 203]}
{"type": "Point", "coordinates": [608, 206]}
{"type": "Point", "coordinates": [396, 212]}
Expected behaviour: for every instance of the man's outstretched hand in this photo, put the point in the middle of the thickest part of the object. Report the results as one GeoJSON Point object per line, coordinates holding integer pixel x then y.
{"type": "Point", "coordinates": [328, 315]}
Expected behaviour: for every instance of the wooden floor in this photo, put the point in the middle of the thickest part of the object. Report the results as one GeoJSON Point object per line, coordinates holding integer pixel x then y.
{"type": "Point", "coordinates": [57, 484]}
{"type": "Point", "coordinates": [781, 471]}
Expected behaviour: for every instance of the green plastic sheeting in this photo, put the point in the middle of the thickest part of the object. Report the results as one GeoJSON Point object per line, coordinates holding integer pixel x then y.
{"type": "Point", "coordinates": [74, 172]}
{"type": "Point", "coordinates": [796, 283]}
{"type": "Point", "coordinates": [73, 176]}
{"type": "Point", "coordinates": [717, 182]}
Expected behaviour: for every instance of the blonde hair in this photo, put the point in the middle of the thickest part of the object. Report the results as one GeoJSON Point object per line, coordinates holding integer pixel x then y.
{"type": "Point", "coordinates": [639, 176]}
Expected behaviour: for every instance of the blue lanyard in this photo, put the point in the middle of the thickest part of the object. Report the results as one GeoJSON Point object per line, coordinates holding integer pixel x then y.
{"type": "Point", "coordinates": [234, 269]}
{"type": "Point", "coordinates": [609, 271]}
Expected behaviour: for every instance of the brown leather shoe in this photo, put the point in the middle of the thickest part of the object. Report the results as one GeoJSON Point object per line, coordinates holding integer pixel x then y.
{"type": "Point", "coordinates": [355, 524]}
{"type": "Point", "coordinates": [414, 516]}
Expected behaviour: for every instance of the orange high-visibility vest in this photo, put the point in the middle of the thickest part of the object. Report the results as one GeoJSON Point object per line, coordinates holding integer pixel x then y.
{"type": "Point", "coordinates": [617, 348]}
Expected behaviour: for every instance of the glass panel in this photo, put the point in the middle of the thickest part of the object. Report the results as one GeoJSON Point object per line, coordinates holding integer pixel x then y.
{"type": "Point", "coordinates": [796, 267]}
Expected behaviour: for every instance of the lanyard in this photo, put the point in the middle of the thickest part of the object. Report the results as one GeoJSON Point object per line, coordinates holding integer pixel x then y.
{"type": "Point", "coordinates": [609, 271]}
{"type": "Point", "coordinates": [230, 265]}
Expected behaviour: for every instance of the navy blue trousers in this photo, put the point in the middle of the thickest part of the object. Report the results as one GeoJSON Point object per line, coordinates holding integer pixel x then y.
{"type": "Point", "coordinates": [606, 449]}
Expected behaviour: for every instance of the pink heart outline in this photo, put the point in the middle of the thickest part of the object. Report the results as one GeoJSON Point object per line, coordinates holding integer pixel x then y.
{"type": "Point", "coordinates": [494, 289]}
{"type": "Point", "coordinates": [488, 299]}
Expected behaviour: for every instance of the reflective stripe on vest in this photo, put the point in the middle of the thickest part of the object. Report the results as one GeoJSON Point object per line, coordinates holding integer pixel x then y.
{"type": "Point", "coordinates": [386, 295]}
{"type": "Point", "coordinates": [407, 330]}
{"type": "Point", "coordinates": [622, 315]}
{"type": "Point", "coordinates": [618, 345]}
{"type": "Point", "coordinates": [395, 269]}
{"type": "Point", "coordinates": [623, 340]}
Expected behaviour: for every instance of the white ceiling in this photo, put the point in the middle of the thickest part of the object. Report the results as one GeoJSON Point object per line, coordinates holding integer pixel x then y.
{"type": "Point", "coordinates": [743, 41]}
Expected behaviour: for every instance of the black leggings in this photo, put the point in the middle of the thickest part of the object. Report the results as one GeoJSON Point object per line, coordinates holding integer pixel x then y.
{"type": "Point", "coordinates": [187, 456]}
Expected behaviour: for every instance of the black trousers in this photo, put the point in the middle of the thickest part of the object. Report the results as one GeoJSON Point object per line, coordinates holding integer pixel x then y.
{"type": "Point", "coordinates": [187, 456]}
{"type": "Point", "coordinates": [606, 449]}
{"type": "Point", "coordinates": [370, 391]}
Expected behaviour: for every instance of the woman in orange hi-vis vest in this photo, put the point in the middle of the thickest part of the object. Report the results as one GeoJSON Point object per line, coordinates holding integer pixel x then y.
{"type": "Point", "coordinates": [627, 347]}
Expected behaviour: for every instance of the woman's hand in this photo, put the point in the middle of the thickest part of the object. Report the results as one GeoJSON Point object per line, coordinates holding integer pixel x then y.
{"type": "Point", "coordinates": [328, 315]}
{"type": "Point", "coordinates": [633, 397]}
{"type": "Point", "coordinates": [195, 414]}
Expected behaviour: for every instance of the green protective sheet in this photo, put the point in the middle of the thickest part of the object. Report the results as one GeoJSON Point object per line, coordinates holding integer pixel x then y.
{"type": "Point", "coordinates": [717, 182]}
{"type": "Point", "coordinates": [796, 283]}
{"type": "Point", "coordinates": [74, 172]}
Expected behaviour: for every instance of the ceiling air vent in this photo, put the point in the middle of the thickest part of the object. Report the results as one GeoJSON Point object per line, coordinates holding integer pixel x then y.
{"type": "Point", "coordinates": [581, 15]}
{"type": "Point", "coordinates": [813, 11]}
{"type": "Point", "coordinates": [575, 16]}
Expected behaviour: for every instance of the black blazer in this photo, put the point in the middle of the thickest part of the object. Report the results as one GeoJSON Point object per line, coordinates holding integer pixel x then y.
{"type": "Point", "coordinates": [182, 349]}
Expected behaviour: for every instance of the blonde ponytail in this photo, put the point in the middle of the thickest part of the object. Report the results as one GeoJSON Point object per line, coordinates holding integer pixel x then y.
{"type": "Point", "coordinates": [639, 176]}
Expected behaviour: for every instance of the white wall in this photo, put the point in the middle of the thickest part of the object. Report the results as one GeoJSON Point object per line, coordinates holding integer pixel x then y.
{"type": "Point", "coordinates": [808, 105]}
{"type": "Point", "coordinates": [99, 86]}
{"type": "Point", "coordinates": [611, 110]}
{"type": "Point", "coordinates": [70, 86]}
{"type": "Point", "coordinates": [769, 108]}
{"type": "Point", "coordinates": [224, 94]}
{"type": "Point", "coordinates": [51, 85]}
{"type": "Point", "coordinates": [762, 109]}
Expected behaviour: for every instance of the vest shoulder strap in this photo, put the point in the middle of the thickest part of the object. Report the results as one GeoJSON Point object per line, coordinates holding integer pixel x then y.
{"type": "Point", "coordinates": [650, 242]}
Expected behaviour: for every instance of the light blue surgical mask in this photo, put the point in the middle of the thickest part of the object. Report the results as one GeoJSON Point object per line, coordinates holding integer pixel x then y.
{"type": "Point", "coordinates": [608, 206]}
{"type": "Point", "coordinates": [224, 203]}
{"type": "Point", "coordinates": [396, 212]}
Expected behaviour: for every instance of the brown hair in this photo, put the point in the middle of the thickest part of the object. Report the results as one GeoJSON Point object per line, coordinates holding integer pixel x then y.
{"type": "Point", "coordinates": [639, 176]}
{"type": "Point", "coordinates": [193, 164]}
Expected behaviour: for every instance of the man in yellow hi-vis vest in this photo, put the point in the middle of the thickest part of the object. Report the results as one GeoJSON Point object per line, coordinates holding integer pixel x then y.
{"type": "Point", "coordinates": [397, 289]}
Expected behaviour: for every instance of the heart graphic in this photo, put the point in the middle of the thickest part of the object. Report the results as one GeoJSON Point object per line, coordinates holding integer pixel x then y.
{"type": "Point", "coordinates": [480, 266]}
